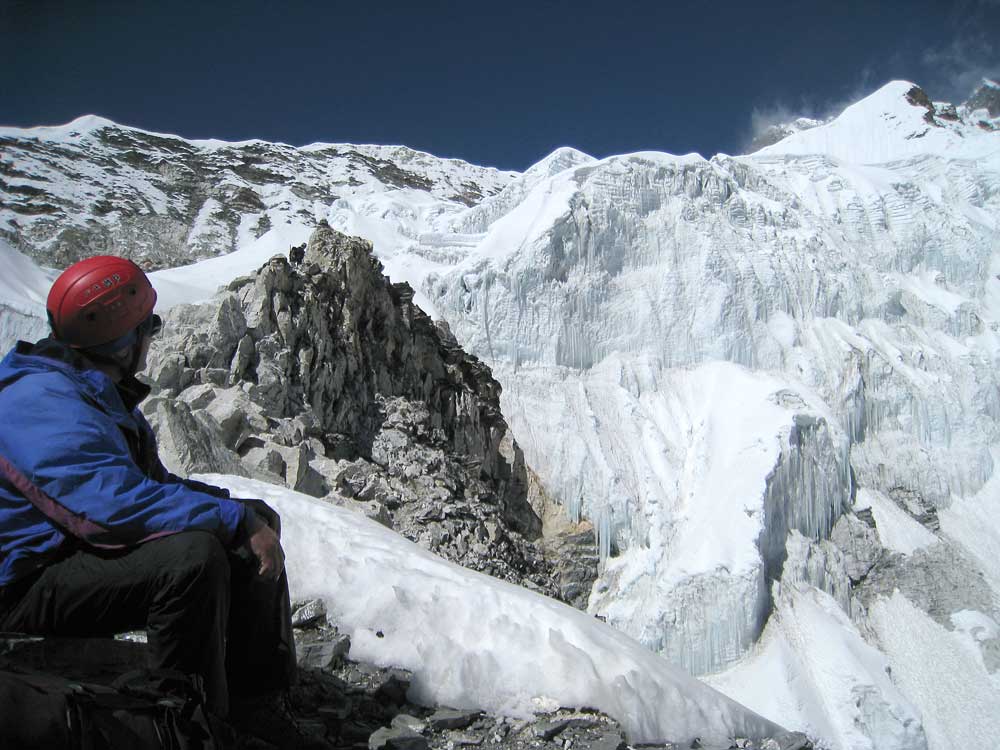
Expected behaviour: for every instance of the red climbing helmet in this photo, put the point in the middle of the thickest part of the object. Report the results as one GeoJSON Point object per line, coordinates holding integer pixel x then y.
{"type": "Point", "coordinates": [99, 300]}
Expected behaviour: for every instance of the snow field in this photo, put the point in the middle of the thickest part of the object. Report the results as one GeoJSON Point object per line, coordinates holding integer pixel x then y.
{"type": "Point", "coordinates": [23, 290]}
{"type": "Point", "coordinates": [813, 666]}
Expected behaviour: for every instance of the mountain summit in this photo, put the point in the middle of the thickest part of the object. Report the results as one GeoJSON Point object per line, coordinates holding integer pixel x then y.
{"type": "Point", "coordinates": [896, 122]}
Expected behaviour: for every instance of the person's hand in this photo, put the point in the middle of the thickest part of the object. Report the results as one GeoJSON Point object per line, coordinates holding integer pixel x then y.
{"type": "Point", "coordinates": [268, 514]}
{"type": "Point", "coordinates": [266, 547]}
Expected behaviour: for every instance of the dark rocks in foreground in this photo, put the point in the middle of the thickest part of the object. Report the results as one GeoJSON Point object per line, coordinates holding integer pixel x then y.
{"type": "Point", "coordinates": [358, 706]}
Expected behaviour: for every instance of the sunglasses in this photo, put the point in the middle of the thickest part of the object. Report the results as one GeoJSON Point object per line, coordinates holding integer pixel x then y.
{"type": "Point", "coordinates": [152, 326]}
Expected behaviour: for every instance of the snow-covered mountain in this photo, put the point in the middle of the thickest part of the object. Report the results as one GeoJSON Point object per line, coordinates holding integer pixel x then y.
{"type": "Point", "coordinates": [770, 380]}
{"type": "Point", "coordinates": [94, 186]}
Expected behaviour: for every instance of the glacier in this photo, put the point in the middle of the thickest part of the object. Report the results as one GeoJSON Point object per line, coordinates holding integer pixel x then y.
{"type": "Point", "coordinates": [855, 263]}
{"type": "Point", "coordinates": [867, 291]}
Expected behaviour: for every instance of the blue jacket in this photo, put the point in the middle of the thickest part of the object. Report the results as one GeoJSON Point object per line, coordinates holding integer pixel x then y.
{"type": "Point", "coordinates": [69, 431]}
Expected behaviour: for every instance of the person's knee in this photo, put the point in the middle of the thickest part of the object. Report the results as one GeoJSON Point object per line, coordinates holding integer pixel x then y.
{"type": "Point", "coordinates": [198, 556]}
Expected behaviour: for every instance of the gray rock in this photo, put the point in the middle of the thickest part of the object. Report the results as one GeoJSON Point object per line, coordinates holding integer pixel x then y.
{"type": "Point", "coordinates": [922, 509]}
{"type": "Point", "coordinates": [411, 723]}
{"type": "Point", "coordinates": [199, 396]}
{"type": "Point", "coordinates": [575, 559]}
{"type": "Point", "coordinates": [309, 614]}
{"type": "Point", "coordinates": [464, 739]}
{"type": "Point", "coordinates": [787, 741]}
{"type": "Point", "coordinates": [448, 718]}
{"type": "Point", "coordinates": [550, 729]}
{"type": "Point", "coordinates": [394, 685]}
{"type": "Point", "coordinates": [236, 415]}
{"type": "Point", "coordinates": [390, 738]}
{"type": "Point", "coordinates": [608, 741]}
{"type": "Point", "coordinates": [859, 543]}
{"type": "Point", "coordinates": [189, 442]}
{"type": "Point", "coordinates": [322, 654]}
{"type": "Point", "coordinates": [938, 579]}
{"type": "Point", "coordinates": [369, 508]}
{"type": "Point", "coordinates": [264, 461]}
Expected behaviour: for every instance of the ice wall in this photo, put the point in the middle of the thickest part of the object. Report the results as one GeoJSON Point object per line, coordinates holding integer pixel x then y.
{"type": "Point", "coordinates": [872, 288]}
{"type": "Point", "coordinates": [23, 288]}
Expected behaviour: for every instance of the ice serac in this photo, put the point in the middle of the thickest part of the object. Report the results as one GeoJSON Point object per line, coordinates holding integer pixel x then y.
{"type": "Point", "coordinates": [740, 462]}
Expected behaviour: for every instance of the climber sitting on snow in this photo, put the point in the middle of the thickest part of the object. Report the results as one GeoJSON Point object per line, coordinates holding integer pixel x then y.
{"type": "Point", "coordinates": [96, 537]}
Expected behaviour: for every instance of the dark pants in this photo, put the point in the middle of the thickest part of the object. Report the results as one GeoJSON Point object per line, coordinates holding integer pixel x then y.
{"type": "Point", "coordinates": [205, 611]}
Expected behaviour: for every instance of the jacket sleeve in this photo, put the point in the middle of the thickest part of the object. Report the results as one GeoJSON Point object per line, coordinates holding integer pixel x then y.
{"type": "Point", "coordinates": [77, 454]}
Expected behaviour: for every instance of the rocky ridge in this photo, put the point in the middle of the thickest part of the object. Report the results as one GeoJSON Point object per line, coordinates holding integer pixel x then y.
{"type": "Point", "coordinates": [320, 374]}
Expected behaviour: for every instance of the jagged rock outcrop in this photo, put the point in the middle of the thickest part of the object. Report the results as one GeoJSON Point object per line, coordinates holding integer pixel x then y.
{"type": "Point", "coordinates": [987, 97]}
{"type": "Point", "coordinates": [570, 545]}
{"type": "Point", "coordinates": [321, 374]}
{"type": "Point", "coordinates": [859, 542]}
{"type": "Point", "coordinates": [576, 564]}
{"type": "Point", "coordinates": [939, 579]}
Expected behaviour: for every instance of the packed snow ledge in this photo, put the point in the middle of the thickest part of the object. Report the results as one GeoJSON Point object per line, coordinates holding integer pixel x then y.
{"type": "Point", "coordinates": [476, 642]}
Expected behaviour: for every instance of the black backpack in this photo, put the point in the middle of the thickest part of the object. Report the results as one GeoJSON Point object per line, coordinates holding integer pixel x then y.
{"type": "Point", "coordinates": [145, 709]}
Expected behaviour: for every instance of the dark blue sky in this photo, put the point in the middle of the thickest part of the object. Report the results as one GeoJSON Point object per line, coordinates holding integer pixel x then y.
{"type": "Point", "coordinates": [499, 84]}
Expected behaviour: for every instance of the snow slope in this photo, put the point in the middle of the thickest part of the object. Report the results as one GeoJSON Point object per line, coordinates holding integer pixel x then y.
{"type": "Point", "coordinates": [812, 666]}
{"type": "Point", "coordinates": [886, 127]}
{"type": "Point", "coordinates": [473, 641]}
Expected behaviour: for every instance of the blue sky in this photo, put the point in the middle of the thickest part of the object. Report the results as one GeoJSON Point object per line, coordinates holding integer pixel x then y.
{"type": "Point", "coordinates": [499, 84]}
